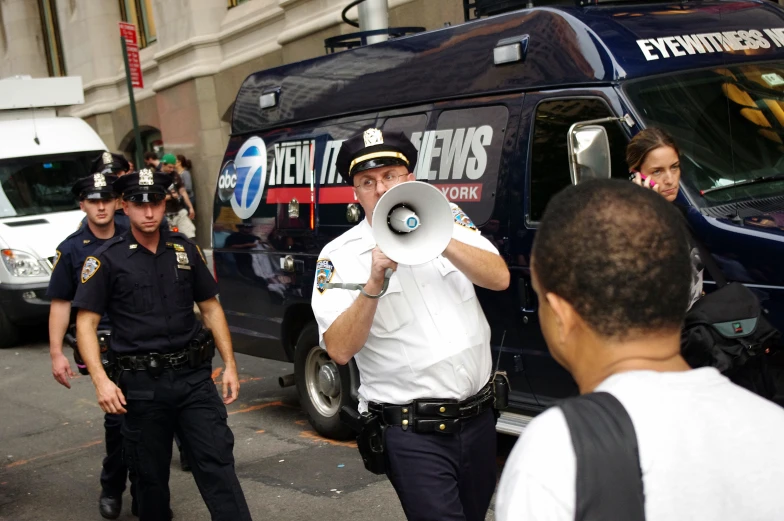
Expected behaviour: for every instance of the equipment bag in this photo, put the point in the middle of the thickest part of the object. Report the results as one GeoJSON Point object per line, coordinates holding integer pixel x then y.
{"type": "Point", "coordinates": [725, 328]}
{"type": "Point", "coordinates": [609, 479]}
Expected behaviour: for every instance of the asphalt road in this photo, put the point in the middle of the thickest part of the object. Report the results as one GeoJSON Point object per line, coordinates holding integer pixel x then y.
{"type": "Point", "coordinates": [51, 446]}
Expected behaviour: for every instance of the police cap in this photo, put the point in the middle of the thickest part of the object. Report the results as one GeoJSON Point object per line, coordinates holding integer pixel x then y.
{"type": "Point", "coordinates": [374, 148]}
{"type": "Point", "coordinates": [144, 186]}
{"type": "Point", "coordinates": [96, 186]}
{"type": "Point", "coordinates": [108, 163]}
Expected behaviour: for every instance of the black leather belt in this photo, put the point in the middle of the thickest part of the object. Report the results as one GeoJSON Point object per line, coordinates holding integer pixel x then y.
{"type": "Point", "coordinates": [176, 360]}
{"type": "Point", "coordinates": [434, 415]}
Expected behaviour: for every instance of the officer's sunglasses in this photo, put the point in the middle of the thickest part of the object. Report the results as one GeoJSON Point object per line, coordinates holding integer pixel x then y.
{"type": "Point", "coordinates": [389, 180]}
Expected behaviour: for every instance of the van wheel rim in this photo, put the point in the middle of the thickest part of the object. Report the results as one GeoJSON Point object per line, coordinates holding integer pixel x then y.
{"type": "Point", "coordinates": [323, 382]}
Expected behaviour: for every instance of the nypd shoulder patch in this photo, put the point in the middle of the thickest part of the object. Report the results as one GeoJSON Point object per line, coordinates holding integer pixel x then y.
{"type": "Point", "coordinates": [56, 259]}
{"type": "Point", "coordinates": [90, 268]}
{"type": "Point", "coordinates": [461, 218]}
{"type": "Point", "coordinates": [324, 273]}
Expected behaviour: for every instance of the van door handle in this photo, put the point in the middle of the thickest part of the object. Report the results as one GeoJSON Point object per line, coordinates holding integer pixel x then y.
{"type": "Point", "coordinates": [287, 263]}
{"type": "Point", "coordinates": [527, 299]}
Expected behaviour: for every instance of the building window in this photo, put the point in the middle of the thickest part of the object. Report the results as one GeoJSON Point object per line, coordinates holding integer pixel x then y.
{"type": "Point", "coordinates": [51, 29]}
{"type": "Point", "coordinates": [139, 13]}
{"type": "Point", "coordinates": [235, 3]}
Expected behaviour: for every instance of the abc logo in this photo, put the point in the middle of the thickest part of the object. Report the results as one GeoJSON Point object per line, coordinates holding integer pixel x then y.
{"type": "Point", "coordinates": [227, 181]}
{"type": "Point", "coordinates": [246, 185]}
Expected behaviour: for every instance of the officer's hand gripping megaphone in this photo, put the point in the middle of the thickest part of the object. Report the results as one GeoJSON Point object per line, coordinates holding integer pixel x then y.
{"type": "Point", "coordinates": [412, 224]}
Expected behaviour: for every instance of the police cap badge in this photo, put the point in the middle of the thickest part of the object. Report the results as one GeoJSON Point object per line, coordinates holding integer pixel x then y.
{"type": "Point", "coordinates": [374, 148]}
{"type": "Point", "coordinates": [96, 186]}
{"type": "Point", "coordinates": [109, 163]}
{"type": "Point", "coordinates": [144, 186]}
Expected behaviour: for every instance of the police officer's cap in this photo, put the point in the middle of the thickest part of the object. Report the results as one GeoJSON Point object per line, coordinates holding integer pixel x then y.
{"type": "Point", "coordinates": [144, 186]}
{"type": "Point", "coordinates": [96, 186]}
{"type": "Point", "coordinates": [108, 163]}
{"type": "Point", "coordinates": [374, 148]}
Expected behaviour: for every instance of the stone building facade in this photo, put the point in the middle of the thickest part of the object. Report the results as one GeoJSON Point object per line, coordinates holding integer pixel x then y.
{"type": "Point", "coordinates": [195, 55]}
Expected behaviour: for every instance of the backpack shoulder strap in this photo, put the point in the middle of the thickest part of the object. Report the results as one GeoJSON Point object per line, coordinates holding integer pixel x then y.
{"type": "Point", "coordinates": [705, 255]}
{"type": "Point", "coordinates": [609, 479]}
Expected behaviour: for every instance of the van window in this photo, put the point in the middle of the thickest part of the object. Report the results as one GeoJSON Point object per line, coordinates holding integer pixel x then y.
{"type": "Point", "coordinates": [549, 151]}
{"type": "Point", "coordinates": [728, 123]}
{"type": "Point", "coordinates": [41, 184]}
{"type": "Point", "coordinates": [462, 156]}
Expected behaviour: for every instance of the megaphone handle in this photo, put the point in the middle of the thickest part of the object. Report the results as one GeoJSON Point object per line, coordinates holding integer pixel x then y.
{"type": "Point", "coordinates": [387, 276]}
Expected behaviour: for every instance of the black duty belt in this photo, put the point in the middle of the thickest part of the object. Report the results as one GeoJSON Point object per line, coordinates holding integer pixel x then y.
{"type": "Point", "coordinates": [434, 415]}
{"type": "Point", "coordinates": [176, 360]}
{"type": "Point", "coordinates": [200, 349]}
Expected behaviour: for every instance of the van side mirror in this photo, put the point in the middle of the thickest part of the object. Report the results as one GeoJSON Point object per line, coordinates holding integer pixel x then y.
{"type": "Point", "coordinates": [589, 152]}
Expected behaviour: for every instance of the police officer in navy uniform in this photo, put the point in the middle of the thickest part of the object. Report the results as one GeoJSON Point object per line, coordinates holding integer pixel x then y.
{"type": "Point", "coordinates": [425, 339]}
{"type": "Point", "coordinates": [147, 281]}
{"type": "Point", "coordinates": [98, 200]}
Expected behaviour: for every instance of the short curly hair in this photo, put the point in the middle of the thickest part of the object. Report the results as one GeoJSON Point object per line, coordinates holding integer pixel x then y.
{"type": "Point", "coordinates": [619, 254]}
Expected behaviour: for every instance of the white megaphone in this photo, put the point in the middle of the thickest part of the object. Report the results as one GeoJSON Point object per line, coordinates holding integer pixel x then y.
{"type": "Point", "coordinates": [412, 223]}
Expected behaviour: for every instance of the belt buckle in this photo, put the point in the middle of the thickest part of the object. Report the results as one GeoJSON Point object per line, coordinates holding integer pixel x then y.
{"type": "Point", "coordinates": [126, 363]}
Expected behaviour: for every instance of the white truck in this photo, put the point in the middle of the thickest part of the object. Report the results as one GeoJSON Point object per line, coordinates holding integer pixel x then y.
{"type": "Point", "coordinates": [41, 156]}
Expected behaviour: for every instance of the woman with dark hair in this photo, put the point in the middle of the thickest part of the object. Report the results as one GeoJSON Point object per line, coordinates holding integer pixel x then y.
{"type": "Point", "coordinates": [654, 162]}
{"type": "Point", "coordinates": [183, 168]}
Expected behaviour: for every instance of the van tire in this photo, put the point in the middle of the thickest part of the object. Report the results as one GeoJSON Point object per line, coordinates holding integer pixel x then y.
{"type": "Point", "coordinates": [323, 386]}
{"type": "Point", "coordinates": [9, 332]}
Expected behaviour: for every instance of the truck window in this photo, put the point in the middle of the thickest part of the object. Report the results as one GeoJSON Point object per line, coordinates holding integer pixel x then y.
{"type": "Point", "coordinates": [549, 151]}
{"type": "Point", "coordinates": [41, 184]}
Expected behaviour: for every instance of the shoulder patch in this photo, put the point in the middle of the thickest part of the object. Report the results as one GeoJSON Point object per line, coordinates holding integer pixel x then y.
{"type": "Point", "coordinates": [56, 259]}
{"type": "Point", "coordinates": [461, 218]}
{"type": "Point", "coordinates": [324, 272]}
{"type": "Point", "coordinates": [90, 268]}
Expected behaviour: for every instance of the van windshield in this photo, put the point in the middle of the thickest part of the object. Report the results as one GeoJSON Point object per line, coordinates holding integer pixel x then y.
{"type": "Point", "coordinates": [41, 184]}
{"type": "Point", "coordinates": [728, 123]}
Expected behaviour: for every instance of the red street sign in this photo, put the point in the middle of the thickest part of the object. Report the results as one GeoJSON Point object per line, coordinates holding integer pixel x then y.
{"type": "Point", "coordinates": [128, 31]}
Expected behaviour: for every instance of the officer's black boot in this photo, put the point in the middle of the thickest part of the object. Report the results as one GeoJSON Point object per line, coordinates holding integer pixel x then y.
{"type": "Point", "coordinates": [110, 506]}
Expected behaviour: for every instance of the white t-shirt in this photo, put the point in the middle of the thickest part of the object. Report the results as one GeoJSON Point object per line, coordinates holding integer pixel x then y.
{"type": "Point", "coordinates": [709, 451]}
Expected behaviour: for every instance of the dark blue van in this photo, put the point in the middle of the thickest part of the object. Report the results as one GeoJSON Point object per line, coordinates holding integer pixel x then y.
{"type": "Point", "coordinates": [504, 111]}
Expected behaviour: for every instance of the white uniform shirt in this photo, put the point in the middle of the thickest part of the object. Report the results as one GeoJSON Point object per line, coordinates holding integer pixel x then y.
{"type": "Point", "coordinates": [709, 451]}
{"type": "Point", "coordinates": [429, 337]}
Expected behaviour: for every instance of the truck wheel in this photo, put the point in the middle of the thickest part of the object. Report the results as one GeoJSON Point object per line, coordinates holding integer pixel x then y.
{"type": "Point", "coordinates": [9, 332]}
{"type": "Point", "coordinates": [323, 386]}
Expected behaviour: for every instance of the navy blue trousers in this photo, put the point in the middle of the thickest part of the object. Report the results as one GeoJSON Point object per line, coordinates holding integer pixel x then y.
{"type": "Point", "coordinates": [185, 401]}
{"type": "Point", "coordinates": [114, 470]}
{"type": "Point", "coordinates": [444, 477]}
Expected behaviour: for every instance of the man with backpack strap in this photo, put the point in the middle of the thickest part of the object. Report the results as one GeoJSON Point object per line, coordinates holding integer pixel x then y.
{"type": "Point", "coordinates": [650, 438]}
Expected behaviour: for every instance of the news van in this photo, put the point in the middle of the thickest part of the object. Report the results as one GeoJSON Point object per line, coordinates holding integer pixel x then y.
{"type": "Point", "coordinates": [41, 156]}
{"type": "Point", "coordinates": [505, 112]}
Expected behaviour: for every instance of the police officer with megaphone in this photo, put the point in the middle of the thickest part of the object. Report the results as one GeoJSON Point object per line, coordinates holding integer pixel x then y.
{"type": "Point", "coordinates": [423, 346]}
